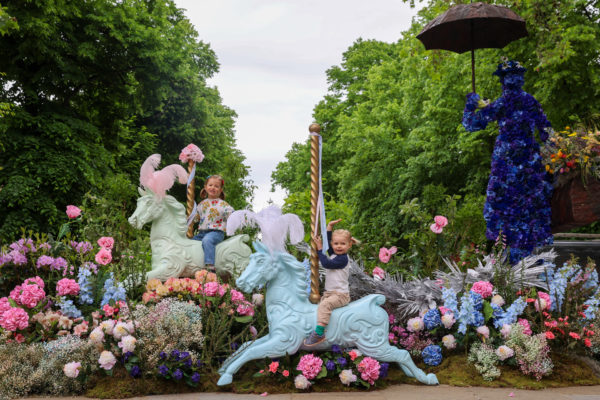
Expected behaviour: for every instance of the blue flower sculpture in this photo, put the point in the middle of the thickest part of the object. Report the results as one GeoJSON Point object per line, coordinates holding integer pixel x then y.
{"type": "Point", "coordinates": [519, 190]}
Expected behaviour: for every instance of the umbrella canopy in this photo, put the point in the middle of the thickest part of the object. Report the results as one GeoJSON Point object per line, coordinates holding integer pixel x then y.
{"type": "Point", "coordinates": [473, 26]}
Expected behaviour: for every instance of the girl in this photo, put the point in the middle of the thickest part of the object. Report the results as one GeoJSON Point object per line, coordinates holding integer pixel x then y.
{"type": "Point", "coordinates": [336, 278]}
{"type": "Point", "coordinates": [212, 217]}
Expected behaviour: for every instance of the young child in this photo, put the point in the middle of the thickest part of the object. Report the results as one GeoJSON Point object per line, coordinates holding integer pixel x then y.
{"type": "Point", "coordinates": [212, 217]}
{"type": "Point", "coordinates": [336, 278]}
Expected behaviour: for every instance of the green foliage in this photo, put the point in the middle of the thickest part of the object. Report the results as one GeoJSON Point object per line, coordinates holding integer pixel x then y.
{"type": "Point", "coordinates": [391, 119]}
{"type": "Point", "coordinates": [94, 88]}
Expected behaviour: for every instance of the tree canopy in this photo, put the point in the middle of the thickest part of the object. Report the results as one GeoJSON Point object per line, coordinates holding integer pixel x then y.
{"type": "Point", "coordinates": [94, 88]}
{"type": "Point", "coordinates": [391, 118]}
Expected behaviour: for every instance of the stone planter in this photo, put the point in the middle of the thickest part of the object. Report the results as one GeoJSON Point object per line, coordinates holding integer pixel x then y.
{"type": "Point", "coordinates": [574, 205]}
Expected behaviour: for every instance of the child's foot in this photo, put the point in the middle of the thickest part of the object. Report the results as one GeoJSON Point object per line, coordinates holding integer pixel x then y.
{"type": "Point", "coordinates": [314, 339]}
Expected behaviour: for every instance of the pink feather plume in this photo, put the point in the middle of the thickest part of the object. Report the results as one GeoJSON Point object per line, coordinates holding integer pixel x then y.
{"type": "Point", "coordinates": [160, 181]}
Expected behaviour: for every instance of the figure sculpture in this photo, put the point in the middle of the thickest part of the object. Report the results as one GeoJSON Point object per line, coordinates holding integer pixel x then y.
{"type": "Point", "coordinates": [173, 254]}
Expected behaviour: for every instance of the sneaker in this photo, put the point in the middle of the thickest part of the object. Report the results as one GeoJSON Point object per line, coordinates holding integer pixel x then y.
{"type": "Point", "coordinates": [314, 339]}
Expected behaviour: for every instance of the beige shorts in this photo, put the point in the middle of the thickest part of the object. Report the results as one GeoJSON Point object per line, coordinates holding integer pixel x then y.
{"type": "Point", "coordinates": [329, 302]}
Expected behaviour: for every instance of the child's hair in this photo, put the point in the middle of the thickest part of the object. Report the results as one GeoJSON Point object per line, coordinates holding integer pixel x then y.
{"type": "Point", "coordinates": [346, 233]}
{"type": "Point", "coordinates": [204, 194]}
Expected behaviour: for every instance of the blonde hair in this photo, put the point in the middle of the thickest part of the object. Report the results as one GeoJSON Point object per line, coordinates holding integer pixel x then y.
{"type": "Point", "coordinates": [204, 194]}
{"type": "Point", "coordinates": [346, 233]}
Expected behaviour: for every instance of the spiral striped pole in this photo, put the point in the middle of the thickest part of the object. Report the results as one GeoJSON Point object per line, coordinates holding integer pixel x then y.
{"type": "Point", "coordinates": [315, 130]}
{"type": "Point", "coordinates": [191, 195]}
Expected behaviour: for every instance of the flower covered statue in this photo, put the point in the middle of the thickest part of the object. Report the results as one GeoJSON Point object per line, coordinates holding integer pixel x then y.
{"type": "Point", "coordinates": [518, 192]}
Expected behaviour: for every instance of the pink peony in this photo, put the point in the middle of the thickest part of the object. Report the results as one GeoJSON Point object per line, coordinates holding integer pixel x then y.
{"type": "Point", "coordinates": [236, 296]}
{"type": "Point", "coordinates": [504, 352]}
{"type": "Point", "coordinates": [191, 152]}
{"type": "Point", "coordinates": [549, 335]}
{"type": "Point", "coordinates": [71, 369]}
{"type": "Point", "coordinates": [526, 327]}
{"type": "Point", "coordinates": [73, 212]}
{"type": "Point", "coordinates": [449, 342]}
{"type": "Point", "coordinates": [31, 295]}
{"type": "Point", "coordinates": [14, 319]}
{"type": "Point", "coordinates": [66, 287]}
{"type": "Point", "coordinates": [484, 288]}
{"type": "Point", "coordinates": [257, 299]}
{"type": "Point", "coordinates": [310, 366]}
{"type": "Point", "coordinates": [505, 330]}
{"type": "Point", "coordinates": [301, 382]}
{"type": "Point", "coordinates": [347, 377]}
{"type": "Point", "coordinates": [448, 320]}
{"type": "Point", "coordinates": [484, 331]}
{"type": "Point", "coordinates": [369, 369]}
{"type": "Point", "coordinates": [544, 302]}
{"type": "Point", "coordinates": [106, 242]}
{"type": "Point", "coordinates": [415, 324]}
{"type": "Point", "coordinates": [127, 344]}
{"type": "Point", "coordinates": [385, 254]}
{"type": "Point", "coordinates": [378, 274]}
{"type": "Point", "coordinates": [104, 256]}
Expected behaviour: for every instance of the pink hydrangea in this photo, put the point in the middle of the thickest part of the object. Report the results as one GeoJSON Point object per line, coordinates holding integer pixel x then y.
{"type": "Point", "coordinates": [544, 302]}
{"type": "Point", "coordinates": [211, 288]}
{"type": "Point", "coordinates": [67, 286]}
{"type": "Point", "coordinates": [34, 281]}
{"type": "Point", "coordinates": [73, 211]}
{"type": "Point", "coordinates": [236, 296]}
{"type": "Point", "coordinates": [31, 295]}
{"type": "Point", "coordinates": [191, 152]}
{"type": "Point", "coordinates": [526, 327]}
{"type": "Point", "coordinates": [106, 242]}
{"type": "Point", "coordinates": [15, 294]}
{"type": "Point", "coordinates": [369, 369]}
{"type": "Point", "coordinates": [385, 254]}
{"type": "Point", "coordinates": [245, 308]}
{"type": "Point", "coordinates": [104, 256]}
{"type": "Point", "coordinates": [14, 319]}
{"type": "Point", "coordinates": [4, 305]}
{"type": "Point", "coordinates": [310, 366]}
{"type": "Point", "coordinates": [484, 288]}
{"type": "Point", "coordinates": [378, 274]}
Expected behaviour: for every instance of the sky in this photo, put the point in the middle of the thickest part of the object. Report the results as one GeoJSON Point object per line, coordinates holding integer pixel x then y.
{"type": "Point", "coordinates": [273, 55]}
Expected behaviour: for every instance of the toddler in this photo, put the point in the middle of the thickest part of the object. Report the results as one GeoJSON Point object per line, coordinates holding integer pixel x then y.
{"type": "Point", "coordinates": [336, 278]}
{"type": "Point", "coordinates": [212, 217]}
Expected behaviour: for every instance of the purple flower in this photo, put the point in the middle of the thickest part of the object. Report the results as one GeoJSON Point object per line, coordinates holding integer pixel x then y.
{"type": "Point", "coordinates": [342, 362]}
{"type": "Point", "coordinates": [163, 370]}
{"type": "Point", "coordinates": [196, 377]}
{"type": "Point", "coordinates": [162, 355]}
{"type": "Point", "coordinates": [336, 349]}
{"type": "Point", "coordinates": [135, 371]}
{"type": "Point", "coordinates": [383, 369]}
{"type": "Point", "coordinates": [59, 264]}
{"type": "Point", "coordinates": [177, 375]}
{"type": "Point", "coordinates": [175, 355]}
{"type": "Point", "coordinates": [330, 365]}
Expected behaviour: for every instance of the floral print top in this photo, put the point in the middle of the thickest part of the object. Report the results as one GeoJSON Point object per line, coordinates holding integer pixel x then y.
{"type": "Point", "coordinates": [212, 214]}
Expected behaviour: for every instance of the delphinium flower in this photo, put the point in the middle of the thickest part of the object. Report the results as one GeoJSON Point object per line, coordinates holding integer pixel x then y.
{"type": "Point", "coordinates": [449, 298]}
{"type": "Point", "coordinates": [68, 308]}
{"type": "Point", "coordinates": [558, 285]}
{"type": "Point", "coordinates": [86, 288]}
{"type": "Point", "coordinates": [432, 355]}
{"type": "Point", "coordinates": [590, 306]}
{"type": "Point", "coordinates": [112, 291]}
{"type": "Point", "coordinates": [466, 313]}
{"type": "Point", "coordinates": [512, 312]}
{"type": "Point", "coordinates": [432, 319]}
{"type": "Point", "coordinates": [477, 300]}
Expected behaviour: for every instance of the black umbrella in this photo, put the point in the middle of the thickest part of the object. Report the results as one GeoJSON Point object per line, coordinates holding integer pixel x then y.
{"type": "Point", "coordinates": [473, 26]}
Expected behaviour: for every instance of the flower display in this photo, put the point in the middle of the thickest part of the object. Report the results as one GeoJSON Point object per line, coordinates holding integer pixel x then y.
{"type": "Point", "coordinates": [73, 211]}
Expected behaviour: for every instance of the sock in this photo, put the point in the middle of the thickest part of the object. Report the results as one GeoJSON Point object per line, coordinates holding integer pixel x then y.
{"type": "Point", "coordinates": [320, 330]}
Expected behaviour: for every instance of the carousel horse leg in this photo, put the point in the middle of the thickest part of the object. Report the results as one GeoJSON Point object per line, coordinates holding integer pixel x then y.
{"type": "Point", "coordinates": [402, 357]}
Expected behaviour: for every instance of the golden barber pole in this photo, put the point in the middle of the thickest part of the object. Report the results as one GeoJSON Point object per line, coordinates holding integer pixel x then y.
{"type": "Point", "coordinates": [191, 195]}
{"type": "Point", "coordinates": [314, 198]}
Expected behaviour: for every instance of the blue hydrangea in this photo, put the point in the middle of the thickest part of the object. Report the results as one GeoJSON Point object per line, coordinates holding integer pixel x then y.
{"type": "Point", "coordinates": [449, 298]}
{"type": "Point", "coordinates": [432, 319]}
{"type": "Point", "coordinates": [477, 300]}
{"type": "Point", "coordinates": [112, 291]}
{"type": "Point", "coordinates": [68, 309]}
{"type": "Point", "coordinates": [478, 318]}
{"type": "Point", "coordinates": [86, 288]}
{"type": "Point", "coordinates": [432, 355]}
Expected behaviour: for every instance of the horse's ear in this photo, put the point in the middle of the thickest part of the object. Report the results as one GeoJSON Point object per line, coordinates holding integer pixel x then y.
{"type": "Point", "coordinates": [141, 191]}
{"type": "Point", "coordinates": [260, 247]}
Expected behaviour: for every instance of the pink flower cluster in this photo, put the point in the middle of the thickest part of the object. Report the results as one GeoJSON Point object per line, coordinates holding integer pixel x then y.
{"type": "Point", "coordinates": [14, 319]}
{"type": "Point", "coordinates": [191, 152]}
{"type": "Point", "coordinates": [439, 224]}
{"type": "Point", "coordinates": [310, 366]}
{"type": "Point", "coordinates": [66, 287]}
{"type": "Point", "coordinates": [483, 288]}
{"type": "Point", "coordinates": [30, 293]}
{"type": "Point", "coordinates": [369, 369]}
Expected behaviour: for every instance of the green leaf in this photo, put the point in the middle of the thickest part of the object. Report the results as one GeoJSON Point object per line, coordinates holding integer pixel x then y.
{"type": "Point", "coordinates": [488, 311]}
{"type": "Point", "coordinates": [323, 372]}
{"type": "Point", "coordinates": [243, 319]}
{"type": "Point", "coordinates": [64, 229]}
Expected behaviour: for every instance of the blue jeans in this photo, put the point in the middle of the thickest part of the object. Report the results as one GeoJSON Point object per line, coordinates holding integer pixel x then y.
{"type": "Point", "coordinates": [210, 239]}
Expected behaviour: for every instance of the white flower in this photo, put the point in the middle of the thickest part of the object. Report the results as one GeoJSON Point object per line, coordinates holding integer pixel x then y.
{"type": "Point", "coordinates": [498, 300]}
{"type": "Point", "coordinates": [97, 335]}
{"type": "Point", "coordinates": [484, 331]}
{"type": "Point", "coordinates": [505, 331]}
{"type": "Point", "coordinates": [301, 382]}
{"type": "Point", "coordinates": [107, 360]}
{"type": "Point", "coordinates": [108, 326]}
{"type": "Point", "coordinates": [504, 352]}
{"type": "Point", "coordinates": [127, 343]}
{"type": "Point", "coordinates": [448, 320]}
{"type": "Point", "coordinates": [257, 299]}
{"type": "Point", "coordinates": [347, 377]}
{"type": "Point", "coordinates": [71, 369]}
{"type": "Point", "coordinates": [120, 330]}
{"type": "Point", "coordinates": [449, 342]}
{"type": "Point", "coordinates": [415, 324]}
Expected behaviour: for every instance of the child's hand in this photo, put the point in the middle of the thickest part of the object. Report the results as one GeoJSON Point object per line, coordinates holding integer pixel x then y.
{"type": "Point", "coordinates": [318, 242]}
{"type": "Point", "coordinates": [332, 223]}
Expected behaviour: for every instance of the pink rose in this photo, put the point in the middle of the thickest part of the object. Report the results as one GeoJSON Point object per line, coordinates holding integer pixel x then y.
{"type": "Point", "coordinates": [484, 331]}
{"type": "Point", "coordinates": [378, 274]}
{"type": "Point", "coordinates": [236, 296]}
{"type": "Point", "coordinates": [108, 310]}
{"type": "Point", "coordinates": [107, 360]}
{"type": "Point", "coordinates": [385, 254]}
{"type": "Point", "coordinates": [484, 288]}
{"type": "Point", "coordinates": [106, 242]}
{"type": "Point", "coordinates": [103, 256]}
{"type": "Point", "coordinates": [81, 328]}
{"type": "Point", "coordinates": [14, 319]}
{"type": "Point", "coordinates": [67, 286]}
{"type": "Point", "coordinates": [73, 212]}
{"type": "Point", "coordinates": [273, 366]}
{"type": "Point", "coordinates": [440, 223]}
{"type": "Point", "coordinates": [19, 338]}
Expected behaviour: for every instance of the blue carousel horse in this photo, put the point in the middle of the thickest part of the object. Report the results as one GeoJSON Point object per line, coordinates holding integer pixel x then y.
{"type": "Point", "coordinates": [362, 324]}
